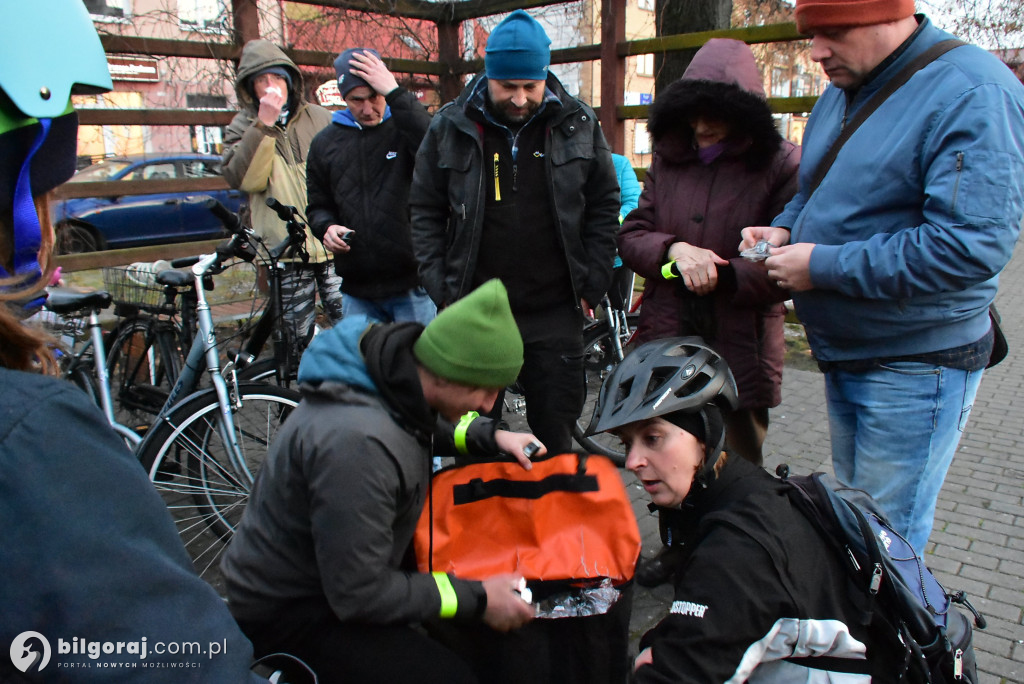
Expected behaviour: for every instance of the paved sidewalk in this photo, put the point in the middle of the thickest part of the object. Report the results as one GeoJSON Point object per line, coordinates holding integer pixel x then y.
{"type": "Point", "coordinates": [978, 541]}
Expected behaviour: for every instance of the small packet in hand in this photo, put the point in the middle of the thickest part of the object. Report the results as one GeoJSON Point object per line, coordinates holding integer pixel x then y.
{"type": "Point", "coordinates": [524, 591]}
{"type": "Point", "coordinates": [758, 252]}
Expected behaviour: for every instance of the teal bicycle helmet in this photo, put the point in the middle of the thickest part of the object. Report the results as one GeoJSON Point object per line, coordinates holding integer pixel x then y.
{"type": "Point", "coordinates": [49, 50]}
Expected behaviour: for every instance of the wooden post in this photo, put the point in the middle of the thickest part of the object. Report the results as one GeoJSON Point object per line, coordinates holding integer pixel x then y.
{"type": "Point", "coordinates": [247, 20]}
{"type": "Point", "coordinates": [448, 54]}
{"type": "Point", "coordinates": [613, 72]}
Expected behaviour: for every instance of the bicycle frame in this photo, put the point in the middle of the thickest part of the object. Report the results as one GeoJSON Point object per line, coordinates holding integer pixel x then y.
{"type": "Point", "coordinates": [99, 357]}
{"type": "Point", "coordinates": [204, 346]}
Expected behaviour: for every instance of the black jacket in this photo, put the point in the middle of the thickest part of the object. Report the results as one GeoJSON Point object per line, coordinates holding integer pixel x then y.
{"type": "Point", "coordinates": [758, 593]}
{"type": "Point", "coordinates": [447, 197]}
{"type": "Point", "coordinates": [359, 178]}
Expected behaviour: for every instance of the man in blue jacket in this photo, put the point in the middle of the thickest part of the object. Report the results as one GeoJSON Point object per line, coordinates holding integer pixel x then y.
{"type": "Point", "coordinates": [894, 259]}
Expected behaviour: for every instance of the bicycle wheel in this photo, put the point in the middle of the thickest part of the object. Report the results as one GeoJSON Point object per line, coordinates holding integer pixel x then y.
{"type": "Point", "coordinates": [599, 359]}
{"type": "Point", "coordinates": [143, 364]}
{"type": "Point", "coordinates": [81, 375]}
{"type": "Point", "coordinates": [188, 463]}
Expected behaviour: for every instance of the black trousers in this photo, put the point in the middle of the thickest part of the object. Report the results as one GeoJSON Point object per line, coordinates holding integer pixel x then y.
{"type": "Point", "coordinates": [552, 375]}
{"type": "Point", "coordinates": [355, 652]}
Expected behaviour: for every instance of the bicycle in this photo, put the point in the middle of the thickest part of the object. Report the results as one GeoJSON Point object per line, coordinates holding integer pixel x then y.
{"type": "Point", "coordinates": [84, 364]}
{"type": "Point", "coordinates": [203, 450]}
{"type": "Point", "coordinates": [604, 344]}
{"type": "Point", "coordinates": [145, 353]}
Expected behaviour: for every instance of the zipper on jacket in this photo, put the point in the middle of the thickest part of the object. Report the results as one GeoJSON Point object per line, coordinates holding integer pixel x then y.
{"type": "Point", "coordinates": [515, 177]}
{"type": "Point", "coordinates": [497, 179]}
{"type": "Point", "coordinates": [959, 169]}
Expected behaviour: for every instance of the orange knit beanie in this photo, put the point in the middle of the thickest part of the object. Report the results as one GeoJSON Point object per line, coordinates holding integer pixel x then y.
{"type": "Point", "coordinates": [812, 15]}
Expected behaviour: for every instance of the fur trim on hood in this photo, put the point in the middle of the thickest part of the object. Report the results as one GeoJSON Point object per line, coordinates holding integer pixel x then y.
{"type": "Point", "coordinates": [722, 82]}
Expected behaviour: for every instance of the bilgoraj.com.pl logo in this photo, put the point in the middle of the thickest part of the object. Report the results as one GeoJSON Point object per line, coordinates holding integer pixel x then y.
{"type": "Point", "coordinates": [31, 652]}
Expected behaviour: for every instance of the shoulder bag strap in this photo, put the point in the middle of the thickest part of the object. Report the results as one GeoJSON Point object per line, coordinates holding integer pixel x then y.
{"type": "Point", "coordinates": [876, 101]}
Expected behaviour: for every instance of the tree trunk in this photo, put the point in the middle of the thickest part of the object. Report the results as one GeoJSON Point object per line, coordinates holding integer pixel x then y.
{"type": "Point", "coordinates": [685, 16]}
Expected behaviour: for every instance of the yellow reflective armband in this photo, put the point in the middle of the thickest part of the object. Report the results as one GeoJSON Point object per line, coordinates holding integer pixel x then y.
{"type": "Point", "coordinates": [461, 429]}
{"type": "Point", "coordinates": [666, 271]}
{"type": "Point", "coordinates": [449, 601]}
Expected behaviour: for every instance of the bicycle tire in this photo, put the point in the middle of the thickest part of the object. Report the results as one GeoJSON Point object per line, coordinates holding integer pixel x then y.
{"type": "Point", "coordinates": [143, 364]}
{"type": "Point", "coordinates": [82, 376]}
{"type": "Point", "coordinates": [262, 370]}
{"type": "Point", "coordinates": [598, 362]}
{"type": "Point", "coordinates": [187, 463]}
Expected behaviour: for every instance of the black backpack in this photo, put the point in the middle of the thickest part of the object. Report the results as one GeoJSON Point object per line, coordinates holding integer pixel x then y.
{"type": "Point", "coordinates": [903, 602]}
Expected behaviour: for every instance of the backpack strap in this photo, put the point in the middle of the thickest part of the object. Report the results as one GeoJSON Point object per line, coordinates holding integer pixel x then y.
{"type": "Point", "coordinates": [876, 100]}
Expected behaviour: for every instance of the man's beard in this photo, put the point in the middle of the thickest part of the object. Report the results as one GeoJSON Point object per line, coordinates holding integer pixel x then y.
{"type": "Point", "coordinates": [502, 114]}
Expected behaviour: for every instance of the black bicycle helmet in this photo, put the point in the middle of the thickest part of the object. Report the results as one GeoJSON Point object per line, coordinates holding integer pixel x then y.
{"type": "Point", "coordinates": [666, 376]}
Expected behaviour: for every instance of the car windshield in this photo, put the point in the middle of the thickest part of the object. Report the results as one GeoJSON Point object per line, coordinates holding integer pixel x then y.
{"type": "Point", "coordinates": [99, 172]}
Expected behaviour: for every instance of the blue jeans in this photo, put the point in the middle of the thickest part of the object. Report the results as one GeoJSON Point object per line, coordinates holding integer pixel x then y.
{"type": "Point", "coordinates": [895, 429]}
{"type": "Point", "coordinates": [415, 305]}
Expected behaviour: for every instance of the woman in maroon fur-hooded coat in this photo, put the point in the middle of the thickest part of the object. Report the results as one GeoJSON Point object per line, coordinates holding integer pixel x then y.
{"type": "Point", "coordinates": [700, 191]}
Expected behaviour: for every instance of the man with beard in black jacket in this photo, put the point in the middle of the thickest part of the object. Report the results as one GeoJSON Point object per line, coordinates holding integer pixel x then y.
{"type": "Point", "coordinates": [515, 181]}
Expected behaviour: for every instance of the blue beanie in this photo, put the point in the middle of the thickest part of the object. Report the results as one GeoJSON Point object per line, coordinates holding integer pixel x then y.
{"type": "Point", "coordinates": [518, 49]}
{"type": "Point", "coordinates": [346, 79]}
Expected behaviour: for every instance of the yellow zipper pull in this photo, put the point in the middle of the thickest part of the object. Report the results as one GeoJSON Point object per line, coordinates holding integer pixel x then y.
{"type": "Point", "coordinates": [497, 181]}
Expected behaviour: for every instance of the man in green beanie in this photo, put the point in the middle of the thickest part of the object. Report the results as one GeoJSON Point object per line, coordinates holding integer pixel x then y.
{"type": "Point", "coordinates": [317, 567]}
{"type": "Point", "coordinates": [514, 180]}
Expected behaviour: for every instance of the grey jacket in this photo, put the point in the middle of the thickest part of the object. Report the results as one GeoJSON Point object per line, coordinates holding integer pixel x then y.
{"type": "Point", "coordinates": [447, 197]}
{"type": "Point", "coordinates": [333, 510]}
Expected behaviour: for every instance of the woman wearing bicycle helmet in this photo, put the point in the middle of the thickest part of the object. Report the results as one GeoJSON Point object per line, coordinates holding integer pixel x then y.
{"type": "Point", "coordinates": [759, 597]}
{"type": "Point", "coordinates": [90, 556]}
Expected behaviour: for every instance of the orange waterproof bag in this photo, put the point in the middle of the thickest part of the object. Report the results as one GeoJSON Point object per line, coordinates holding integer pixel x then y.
{"type": "Point", "coordinates": [568, 520]}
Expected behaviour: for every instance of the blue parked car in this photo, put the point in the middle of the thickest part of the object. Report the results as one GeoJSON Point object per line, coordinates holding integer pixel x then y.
{"type": "Point", "coordinates": [89, 224]}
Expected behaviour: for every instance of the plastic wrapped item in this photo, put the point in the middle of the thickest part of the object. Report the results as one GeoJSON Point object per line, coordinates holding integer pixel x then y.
{"type": "Point", "coordinates": [586, 602]}
{"type": "Point", "coordinates": [759, 252]}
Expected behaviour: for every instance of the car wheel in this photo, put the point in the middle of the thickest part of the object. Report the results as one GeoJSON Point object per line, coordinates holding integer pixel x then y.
{"type": "Point", "coordinates": [75, 238]}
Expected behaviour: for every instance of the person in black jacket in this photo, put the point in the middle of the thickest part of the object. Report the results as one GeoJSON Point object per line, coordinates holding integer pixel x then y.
{"type": "Point", "coordinates": [515, 181]}
{"type": "Point", "coordinates": [357, 179]}
{"type": "Point", "coordinates": [759, 595]}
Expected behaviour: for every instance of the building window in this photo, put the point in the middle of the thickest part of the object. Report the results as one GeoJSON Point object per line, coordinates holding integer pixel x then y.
{"type": "Point", "coordinates": [646, 5]}
{"type": "Point", "coordinates": [205, 101]}
{"type": "Point", "coordinates": [780, 84]}
{"type": "Point", "coordinates": [641, 139]}
{"type": "Point", "coordinates": [109, 9]}
{"type": "Point", "coordinates": [645, 65]}
{"type": "Point", "coordinates": [204, 15]}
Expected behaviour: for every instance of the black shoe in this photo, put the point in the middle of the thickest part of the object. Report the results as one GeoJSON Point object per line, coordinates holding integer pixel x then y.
{"type": "Point", "coordinates": [652, 572]}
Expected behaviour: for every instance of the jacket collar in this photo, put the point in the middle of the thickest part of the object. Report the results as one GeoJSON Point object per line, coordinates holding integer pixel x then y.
{"type": "Point", "coordinates": [343, 117]}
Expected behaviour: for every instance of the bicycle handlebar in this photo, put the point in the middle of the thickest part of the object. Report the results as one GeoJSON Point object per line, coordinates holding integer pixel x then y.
{"type": "Point", "coordinates": [225, 215]}
{"type": "Point", "coordinates": [296, 240]}
{"type": "Point", "coordinates": [283, 211]}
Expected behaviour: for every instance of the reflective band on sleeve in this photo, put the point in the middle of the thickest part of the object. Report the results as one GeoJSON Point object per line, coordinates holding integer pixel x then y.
{"type": "Point", "coordinates": [449, 601]}
{"type": "Point", "coordinates": [666, 271]}
{"type": "Point", "coordinates": [461, 429]}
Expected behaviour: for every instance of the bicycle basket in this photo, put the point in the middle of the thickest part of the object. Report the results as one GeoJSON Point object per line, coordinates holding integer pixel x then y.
{"type": "Point", "coordinates": [134, 286]}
